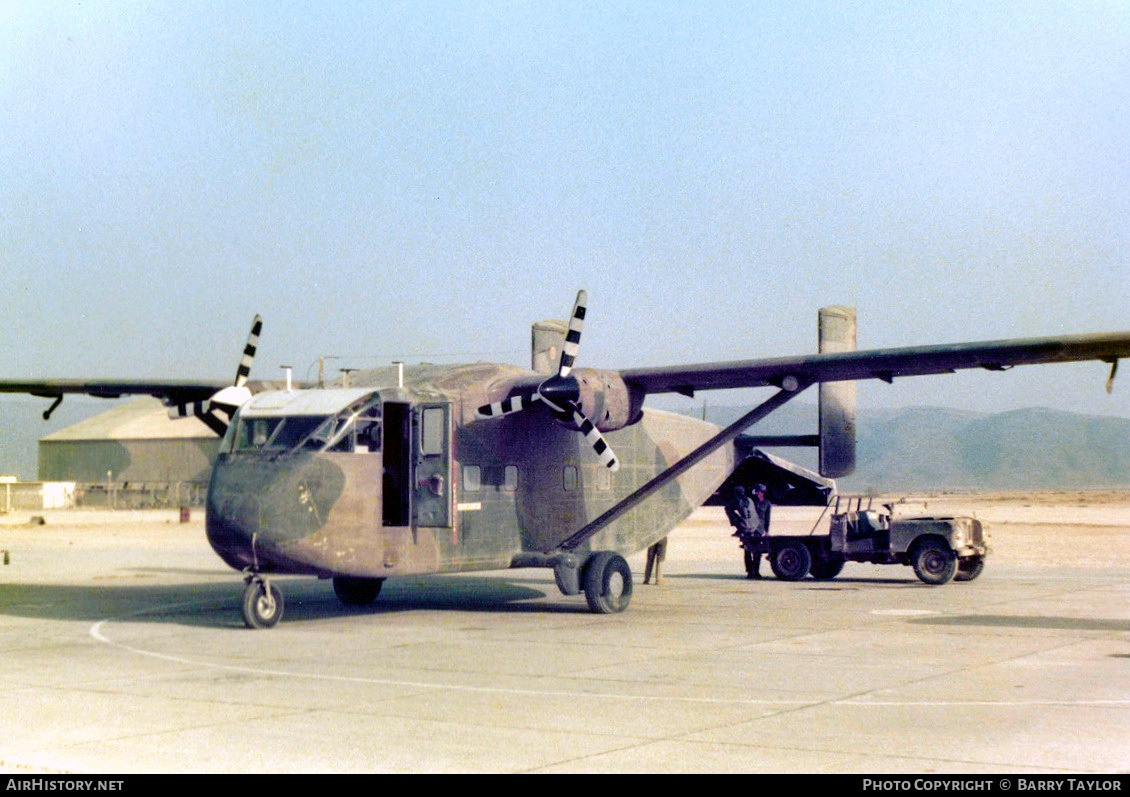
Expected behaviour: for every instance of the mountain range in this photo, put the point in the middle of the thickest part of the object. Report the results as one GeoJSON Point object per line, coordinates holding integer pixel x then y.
{"type": "Point", "coordinates": [929, 448]}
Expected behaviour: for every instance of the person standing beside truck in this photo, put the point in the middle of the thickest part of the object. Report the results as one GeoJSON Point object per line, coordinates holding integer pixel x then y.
{"type": "Point", "coordinates": [750, 519]}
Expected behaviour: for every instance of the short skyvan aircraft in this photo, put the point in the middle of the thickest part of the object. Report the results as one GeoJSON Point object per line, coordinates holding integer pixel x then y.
{"type": "Point", "coordinates": [453, 468]}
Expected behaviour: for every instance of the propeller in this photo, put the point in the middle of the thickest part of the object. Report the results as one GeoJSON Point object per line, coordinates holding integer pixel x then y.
{"type": "Point", "coordinates": [235, 395]}
{"type": "Point", "coordinates": [228, 399]}
{"type": "Point", "coordinates": [561, 392]}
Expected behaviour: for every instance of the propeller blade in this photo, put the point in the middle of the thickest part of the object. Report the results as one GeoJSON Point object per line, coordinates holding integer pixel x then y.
{"type": "Point", "coordinates": [508, 406]}
{"type": "Point", "coordinates": [573, 335]}
{"type": "Point", "coordinates": [244, 369]}
{"type": "Point", "coordinates": [595, 439]}
{"type": "Point", "coordinates": [561, 392]}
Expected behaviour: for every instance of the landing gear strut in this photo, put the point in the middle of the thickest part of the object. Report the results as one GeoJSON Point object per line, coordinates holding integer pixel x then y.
{"type": "Point", "coordinates": [262, 602]}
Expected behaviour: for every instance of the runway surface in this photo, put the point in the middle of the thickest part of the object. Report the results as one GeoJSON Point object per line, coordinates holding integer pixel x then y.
{"type": "Point", "coordinates": [123, 651]}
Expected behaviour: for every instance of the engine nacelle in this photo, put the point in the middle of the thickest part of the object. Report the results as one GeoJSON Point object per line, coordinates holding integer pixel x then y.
{"type": "Point", "coordinates": [606, 400]}
{"type": "Point", "coordinates": [837, 399]}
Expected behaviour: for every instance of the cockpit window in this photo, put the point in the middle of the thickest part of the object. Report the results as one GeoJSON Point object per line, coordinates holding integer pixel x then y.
{"type": "Point", "coordinates": [362, 429]}
{"type": "Point", "coordinates": [357, 428]}
{"type": "Point", "coordinates": [253, 433]}
{"type": "Point", "coordinates": [274, 434]}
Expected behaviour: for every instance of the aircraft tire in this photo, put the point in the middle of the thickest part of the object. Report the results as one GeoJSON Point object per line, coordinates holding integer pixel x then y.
{"type": "Point", "coordinates": [262, 604]}
{"type": "Point", "coordinates": [357, 591]}
{"type": "Point", "coordinates": [827, 569]}
{"type": "Point", "coordinates": [969, 569]}
{"type": "Point", "coordinates": [791, 561]}
{"type": "Point", "coordinates": [608, 583]}
{"type": "Point", "coordinates": [934, 562]}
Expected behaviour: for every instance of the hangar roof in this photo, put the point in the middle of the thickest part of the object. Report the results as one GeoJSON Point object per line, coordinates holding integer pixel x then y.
{"type": "Point", "coordinates": [142, 419]}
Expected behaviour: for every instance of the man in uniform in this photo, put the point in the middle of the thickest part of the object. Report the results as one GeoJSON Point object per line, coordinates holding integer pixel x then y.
{"type": "Point", "coordinates": [746, 520]}
{"type": "Point", "coordinates": [761, 507]}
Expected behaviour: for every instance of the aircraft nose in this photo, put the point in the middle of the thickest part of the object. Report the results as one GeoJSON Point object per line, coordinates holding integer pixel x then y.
{"type": "Point", "coordinates": [257, 508]}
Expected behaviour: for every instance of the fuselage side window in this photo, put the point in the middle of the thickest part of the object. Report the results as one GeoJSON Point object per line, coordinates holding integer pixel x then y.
{"type": "Point", "coordinates": [570, 478]}
{"type": "Point", "coordinates": [472, 478]}
{"type": "Point", "coordinates": [510, 478]}
{"type": "Point", "coordinates": [432, 434]}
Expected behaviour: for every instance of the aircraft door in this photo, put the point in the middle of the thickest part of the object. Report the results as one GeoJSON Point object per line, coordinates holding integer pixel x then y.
{"type": "Point", "coordinates": [434, 484]}
{"type": "Point", "coordinates": [396, 489]}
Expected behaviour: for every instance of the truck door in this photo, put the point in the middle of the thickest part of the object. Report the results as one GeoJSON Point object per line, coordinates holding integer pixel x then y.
{"type": "Point", "coordinates": [433, 481]}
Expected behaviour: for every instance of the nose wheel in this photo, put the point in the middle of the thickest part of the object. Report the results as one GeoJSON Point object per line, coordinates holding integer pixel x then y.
{"type": "Point", "coordinates": [262, 602]}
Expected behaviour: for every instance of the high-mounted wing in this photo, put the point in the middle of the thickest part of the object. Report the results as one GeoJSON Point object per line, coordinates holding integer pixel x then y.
{"type": "Point", "coordinates": [884, 364]}
{"type": "Point", "coordinates": [184, 398]}
{"type": "Point", "coordinates": [175, 390]}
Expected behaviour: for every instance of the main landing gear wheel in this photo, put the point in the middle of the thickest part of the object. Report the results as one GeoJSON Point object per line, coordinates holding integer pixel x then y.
{"type": "Point", "coordinates": [357, 591]}
{"type": "Point", "coordinates": [934, 562]}
{"type": "Point", "coordinates": [608, 583]}
{"type": "Point", "coordinates": [791, 562]}
{"type": "Point", "coordinates": [262, 603]}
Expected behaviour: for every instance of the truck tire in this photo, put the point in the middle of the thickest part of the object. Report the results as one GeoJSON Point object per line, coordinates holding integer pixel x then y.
{"type": "Point", "coordinates": [791, 561]}
{"type": "Point", "coordinates": [968, 569]}
{"type": "Point", "coordinates": [826, 569]}
{"type": "Point", "coordinates": [934, 562]}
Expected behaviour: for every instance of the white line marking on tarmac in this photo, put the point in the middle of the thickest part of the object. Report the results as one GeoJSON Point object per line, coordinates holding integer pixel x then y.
{"type": "Point", "coordinates": [904, 612]}
{"type": "Point", "coordinates": [98, 635]}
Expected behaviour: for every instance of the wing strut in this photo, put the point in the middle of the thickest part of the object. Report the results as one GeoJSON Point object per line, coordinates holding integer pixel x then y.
{"type": "Point", "coordinates": [774, 402]}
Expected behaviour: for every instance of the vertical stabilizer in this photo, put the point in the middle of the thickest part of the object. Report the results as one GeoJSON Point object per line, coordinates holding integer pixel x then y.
{"type": "Point", "coordinates": [836, 330]}
{"type": "Point", "coordinates": [547, 339]}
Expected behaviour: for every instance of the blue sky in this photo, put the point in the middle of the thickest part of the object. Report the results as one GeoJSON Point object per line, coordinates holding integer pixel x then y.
{"type": "Point", "coordinates": [424, 180]}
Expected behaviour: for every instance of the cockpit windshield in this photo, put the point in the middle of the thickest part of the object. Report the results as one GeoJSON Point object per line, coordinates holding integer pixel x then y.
{"type": "Point", "coordinates": [355, 429]}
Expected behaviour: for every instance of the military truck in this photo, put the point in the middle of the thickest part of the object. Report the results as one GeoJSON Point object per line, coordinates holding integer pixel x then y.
{"type": "Point", "coordinates": [938, 548]}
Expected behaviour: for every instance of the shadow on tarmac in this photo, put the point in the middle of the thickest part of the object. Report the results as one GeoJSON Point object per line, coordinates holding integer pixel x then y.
{"type": "Point", "coordinates": [1028, 621]}
{"type": "Point", "coordinates": [217, 605]}
{"type": "Point", "coordinates": [807, 583]}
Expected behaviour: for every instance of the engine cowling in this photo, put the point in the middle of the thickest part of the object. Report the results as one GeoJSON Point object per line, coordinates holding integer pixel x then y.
{"type": "Point", "coordinates": [606, 400]}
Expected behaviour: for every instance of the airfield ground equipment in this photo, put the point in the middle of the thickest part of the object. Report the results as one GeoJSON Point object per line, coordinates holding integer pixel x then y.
{"type": "Point", "coordinates": [939, 548]}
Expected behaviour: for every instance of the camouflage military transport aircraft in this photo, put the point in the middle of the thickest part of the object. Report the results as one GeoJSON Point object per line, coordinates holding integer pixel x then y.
{"type": "Point", "coordinates": [443, 469]}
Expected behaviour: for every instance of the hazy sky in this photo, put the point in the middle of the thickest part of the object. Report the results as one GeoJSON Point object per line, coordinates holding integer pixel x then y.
{"type": "Point", "coordinates": [424, 180]}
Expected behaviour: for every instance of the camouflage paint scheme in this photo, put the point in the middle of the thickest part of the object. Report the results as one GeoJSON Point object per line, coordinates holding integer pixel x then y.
{"type": "Point", "coordinates": [321, 513]}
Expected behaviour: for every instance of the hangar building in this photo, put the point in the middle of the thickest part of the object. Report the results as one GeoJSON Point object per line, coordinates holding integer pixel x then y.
{"type": "Point", "coordinates": [136, 450]}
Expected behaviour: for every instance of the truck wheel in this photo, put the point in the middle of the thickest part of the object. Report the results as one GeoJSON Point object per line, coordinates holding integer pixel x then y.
{"type": "Point", "coordinates": [934, 562]}
{"type": "Point", "coordinates": [827, 569]}
{"type": "Point", "coordinates": [608, 583]}
{"type": "Point", "coordinates": [791, 561]}
{"type": "Point", "coordinates": [969, 569]}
